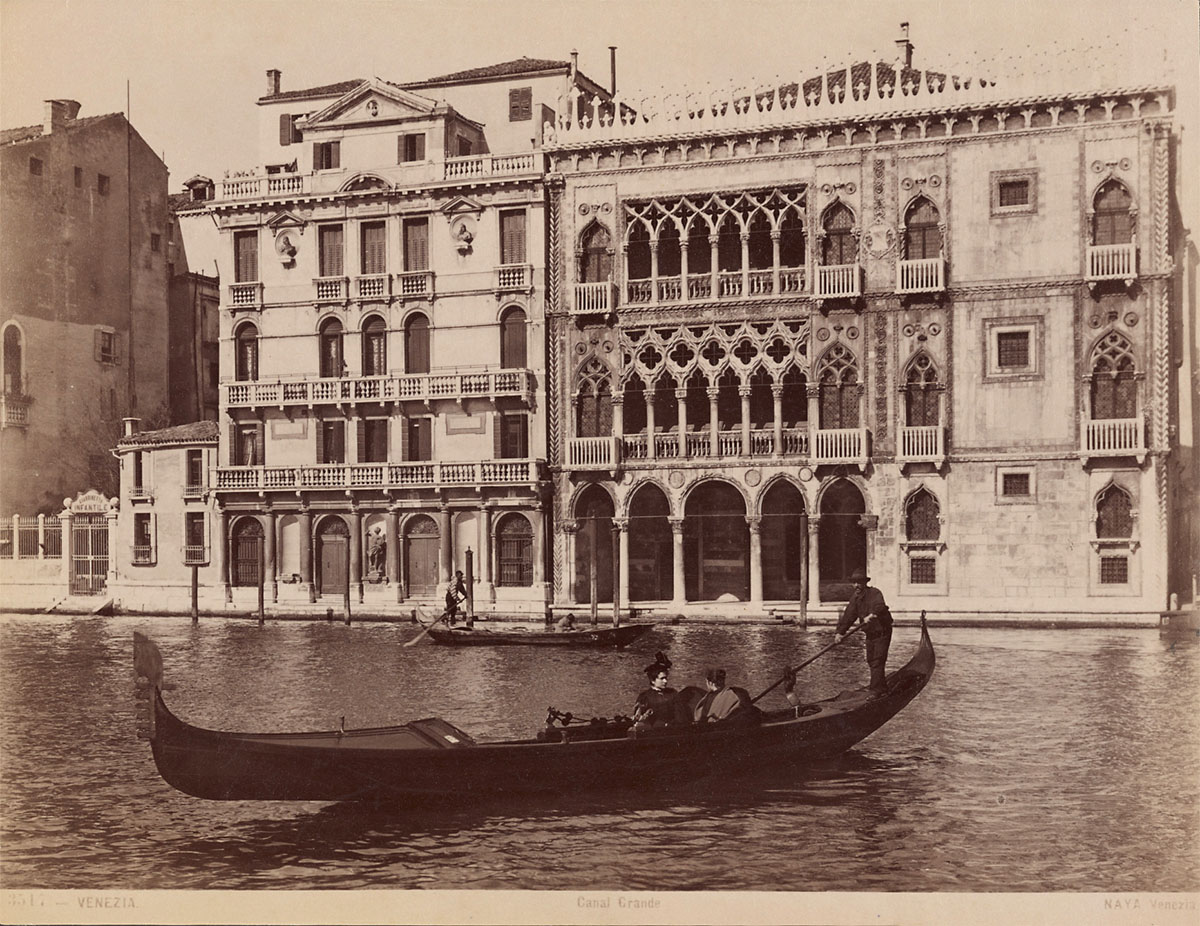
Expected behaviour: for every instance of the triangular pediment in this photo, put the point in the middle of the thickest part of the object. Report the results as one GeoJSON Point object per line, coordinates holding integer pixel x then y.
{"type": "Point", "coordinates": [373, 101]}
{"type": "Point", "coordinates": [461, 205]}
{"type": "Point", "coordinates": [285, 220]}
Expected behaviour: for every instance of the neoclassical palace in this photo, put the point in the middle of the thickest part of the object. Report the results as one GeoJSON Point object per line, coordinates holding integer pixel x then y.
{"type": "Point", "coordinates": [883, 318]}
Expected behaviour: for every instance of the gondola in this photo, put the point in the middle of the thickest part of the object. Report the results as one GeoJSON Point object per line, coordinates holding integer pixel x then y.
{"type": "Point", "coordinates": [433, 758]}
{"type": "Point", "coordinates": [523, 636]}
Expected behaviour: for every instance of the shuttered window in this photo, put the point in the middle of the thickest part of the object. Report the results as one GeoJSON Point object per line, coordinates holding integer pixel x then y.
{"type": "Point", "coordinates": [512, 340]}
{"type": "Point", "coordinates": [374, 345]}
{"type": "Point", "coordinates": [288, 133]}
{"type": "Point", "coordinates": [331, 349]}
{"type": "Point", "coordinates": [332, 446]}
{"type": "Point", "coordinates": [374, 247]}
{"type": "Point", "coordinates": [416, 244]}
{"type": "Point", "coordinates": [245, 257]}
{"type": "Point", "coordinates": [512, 237]}
{"type": "Point", "coordinates": [596, 263]}
{"type": "Point", "coordinates": [416, 345]}
{"type": "Point", "coordinates": [372, 440]}
{"type": "Point", "coordinates": [248, 445]}
{"type": "Point", "coordinates": [246, 354]}
{"type": "Point", "coordinates": [419, 444]}
{"type": "Point", "coordinates": [839, 248]}
{"type": "Point", "coordinates": [411, 147]}
{"type": "Point", "coordinates": [327, 155]}
{"type": "Point", "coordinates": [330, 251]}
{"type": "Point", "coordinates": [520, 104]}
{"type": "Point", "coordinates": [514, 436]}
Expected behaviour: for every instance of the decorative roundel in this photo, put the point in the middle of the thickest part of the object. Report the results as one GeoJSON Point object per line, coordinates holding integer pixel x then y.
{"type": "Point", "coordinates": [805, 474]}
{"type": "Point", "coordinates": [1124, 164]}
{"type": "Point", "coordinates": [581, 348]}
{"type": "Point", "coordinates": [878, 186]}
{"type": "Point", "coordinates": [823, 334]}
{"type": "Point", "coordinates": [627, 478]}
{"type": "Point", "coordinates": [1131, 319]}
{"type": "Point", "coordinates": [753, 477]}
{"type": "Point", "coordinates": [584, 208]}
{"type": "Point", "coordinates": [935, 329]}
{"type": "Point", "coordinates": [935, 180]}
{"type": "Point", "coordinates": [675, 479]}
{"type": "Point", "coordinates": [608, 346]}
{"type": "Point", "coordinates": [1094, 321]}
{"type": "Point", "coordinates": [851, 188]}
{"type": "Point", "coordinates": [852, 333]}
{"type": "Point", "coordinates": [606, 208]}
{"type": "Point", "coordinates": [906, 183]}
{"type": "Point", "coordinates": [826, 189]}
{"type": "Point", "coordinates": [909, 331]}
{"type": "Point", "coordinates": [1097, 166]}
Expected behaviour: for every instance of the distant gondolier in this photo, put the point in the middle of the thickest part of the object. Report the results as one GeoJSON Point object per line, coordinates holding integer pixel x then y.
{"type": "Point", "coordinates": [456, 595]}
{"type": "Point", "coordinates": [867, 604]}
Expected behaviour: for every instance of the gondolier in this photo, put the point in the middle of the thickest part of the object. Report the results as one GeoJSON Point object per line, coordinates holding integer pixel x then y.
{"type": "Point", "coordinates": [866, 604]}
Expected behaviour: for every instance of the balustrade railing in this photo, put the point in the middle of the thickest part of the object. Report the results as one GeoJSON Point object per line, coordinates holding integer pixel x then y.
{"type": "Point", "coordinates": [838, 281]}
{"type": "Point", "coordinates": [195, 555]}
{"type": "Point", "coordinates": [491, 165]}
{"type": "Point", "coordinates": [415, 283]}
{"type": "Point", "coordinates": [791, 279]}
{"type": "Point", "coordinates": [921, 276]}
{"type": "Point", "coordinates": [729, 284]}
{"type": "Point", "coordinates": [923, 443]}
{"type": "Point", "coordinates": [1113, 437]}
{"type": "Point", "coordinates": [143, 554]}
{"type": "Point", "coordinates": [795, 441]}
{"type": "Point", "coordinates": [374, 285]}
{"type": "Point", "coordinates": [416, 386]}
{"type": "Point", "coordinates": [592, 451]}
{"type": "Point", "coordinates": [514, 277]}
{"type": "Point", "coordinates": [666, 445]}
{"type": "Point", "coordinates": [1112, 262]}
{"type": "Point", "coordinates": [14, 410]}
{"type": "Point", "coordinates": [635, 448]}
{"type": "Point", "coordinates": [840, 445]}
{"type": "Point", "coordinates": [192, 490]}
{"type": "Point", "coordinates": [330, 288]}
{"type": "Point", "coordinates": [141, 491]}
{"type": "Point", "coordinates": [245, 295]}
{"type": "Point", "coordinates": [699, 285]}
{"type": "Point", "coordinates": [670, 289]}
{"type": "Point", "coordinates": [592, 297]}
{"type": "Point", "coordinates": [761, 282]}
{"type": "Point", "coordinates": [639, 291]}
{"type": "Point", "coordinates": [380, 475]}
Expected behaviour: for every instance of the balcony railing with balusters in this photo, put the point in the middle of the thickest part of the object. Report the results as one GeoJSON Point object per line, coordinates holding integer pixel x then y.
{"type": "Point", "coordinates": [633, 450]}
{"type": "Point", "coordinates": [927, 275]}
{"type": "Point", "coordinates": [922, 444]}
{"type": "Point", "coordinates": [14, 410]}
{"type": "Point", "coordinates": [730, 284]}
{"type": "Point", "coordinates": [373, 286]}
{"type": "Point", "coordinates": [415, 284]}
{"type": "Point", "coordinates": [840, 445]}
{"type": "Point", "coordinates": [514, 278]}
{"type": "Point", "coordinates": [1112, 262]}
{"type": "Point", "coordinates": [592, 298]}
{"type": "Point", "coordinates": [839, 281]}
{"type": "Point", "coordinates": [330, 289]}
{"type": "Point", "coordinates": [245, 296]}
{"type": "Point", "coordinates": [593, 452]}
{"type": "Point", "coordinates": [412, 474]}
{"type": "Point", "coordinates": [452, 384]}
{"type": "Point", "coordinates": [1114, 437]}
{"type": "Point", "coordinates": [492, 165]}
{"type": "Point", "coordinates": [141, 493]}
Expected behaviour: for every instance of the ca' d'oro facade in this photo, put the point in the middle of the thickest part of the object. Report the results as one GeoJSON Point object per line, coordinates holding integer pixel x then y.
{"type": "Point", "coordinates": [885, 318]}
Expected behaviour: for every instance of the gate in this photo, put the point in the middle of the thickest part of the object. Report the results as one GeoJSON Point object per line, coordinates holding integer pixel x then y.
{"type": "Point", "coordinates": [89, 554]}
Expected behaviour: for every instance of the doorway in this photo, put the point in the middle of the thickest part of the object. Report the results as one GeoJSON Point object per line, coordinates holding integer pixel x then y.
{"type": "Point", "coordinates": [842, 539]}
{"type": "Point", "coordinates": [421, 539]}
{"type": "Point", "coordinates": [333, 547]}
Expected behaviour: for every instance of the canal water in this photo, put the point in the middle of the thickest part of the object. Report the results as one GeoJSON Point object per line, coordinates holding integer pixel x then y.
{"type": "Point", "coordinates": [1035, 761]}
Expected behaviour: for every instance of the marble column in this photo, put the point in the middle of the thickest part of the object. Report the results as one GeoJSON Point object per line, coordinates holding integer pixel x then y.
{"type": "Point", "coordinates": [356, 557]}
{"type": "Point", "coordinates": [393, 550]}
{"type": "Point", "coordinates": [570, 529]}
{"type": "Point", "coordinates": [745, 264]}
{"type": "Point", "coordinates": [447, 544]}
{"type": "Point", "coordinates": [814, 566]}
{"type": "Point", "coordinates": [684, 295]}
{"type": "Point", "coordinates": [777, 424]}
{"type": "Point", "coordinates": [678, 591]}
{"type": "Point", "coordinates": [539, 548]}
{"type": "Point", "coordinates": [756, 577]}
{"type": "Point", "coordinates": [775, 261]}
{"type": "Point", "coordinates": [814, 418]}
{"type": "Point", "coordinates": [269, 553]}
{"type": "Point", "coordinates": [485, 555]}
{"type": "Point", "coordinates": [621, 526]}
{"type": "Point", "coordinates": [714, 267]}
{"type": "Point", "coordinates": [681, 407]}
{"type": "Point", "coordinates": [714, 422]}
{"type": "Point", "coordinates": [744, 395]}
{"type": "Point", "coordinates": [650, 447]}
{"type": "Point", "coordinates": [306, 554]}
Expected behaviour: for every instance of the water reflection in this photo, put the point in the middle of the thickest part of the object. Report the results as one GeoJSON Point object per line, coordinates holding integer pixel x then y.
{"type": "Point", "coordinates": [1036, 760]}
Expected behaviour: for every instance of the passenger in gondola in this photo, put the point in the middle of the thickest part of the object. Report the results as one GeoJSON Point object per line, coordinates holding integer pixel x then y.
{"type": "Point", "coordinates": [658, 705]}
{"type": "Point", "coordinates": [564, 624]}
{"type": "Point", "coordinates": [721, 702]}
{"type": "Point", "coordinates": [867, 604]}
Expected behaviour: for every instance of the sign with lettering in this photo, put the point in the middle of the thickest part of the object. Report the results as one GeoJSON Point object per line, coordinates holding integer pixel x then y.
{"type": "Point", "coordinates": [90, 502]}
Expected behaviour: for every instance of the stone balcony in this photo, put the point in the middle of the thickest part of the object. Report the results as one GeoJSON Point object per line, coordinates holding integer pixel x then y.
{"type": "Point", "coordinates": [513, 278]}
{"type": "Point", "coordinates": [424, 474]}
{"type": "Point", "coordinates": [921, 276]}
{"type": "Point", "coordinates": [838, 281]}
{"type": "Point", "coordinates": [640, 450]}
{"type": "Point", "coordinates": [1114, 437]}
{"type": "Point", "coordinates": [923, 444]}
{"type": "Point", "coordinates": [245, 296]}
{"type": "Point", "coordinates": [14, 410]}
{"type": "Point", "coordinates": [841, 446]}
{"type": "Point", "coordinates": [1111, 262]}
{"type": "Point", "coordinates": [593, 298]}
{"type": "Point", "coordinates": [727, 284]}
{"type": "Point", "coordinates": [450, 385]}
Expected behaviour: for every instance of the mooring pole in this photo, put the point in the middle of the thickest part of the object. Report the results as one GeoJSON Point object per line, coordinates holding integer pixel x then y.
{"type": "Point", "coordinates": [616, 579]}
{"type": "Point", "coordinates": [346, 596]}
{"type": "Point", "coordinates": [195, 594]}
{"type": "Point", "coordinates": [593, 554]}
{"type": "Point", "coordinates": [804, 569]}
{"type": "Point", "coordinates": [470, 564]}
{"type": "Point", "coordinates": [262, 583]}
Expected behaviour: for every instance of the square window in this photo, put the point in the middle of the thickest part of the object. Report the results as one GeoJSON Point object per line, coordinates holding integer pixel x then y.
{"type": "Point", "coordinates": [922, 570]}
{"type": "Point", "coordinates": [143, 538]}
{"type": "Point", "coordinates": [327, 155]}
{"type": "Point", "coordinates": [1012, 350]}
{"type": "Point", "coordinates": [78, 178]}
{"type": "Point", "coordinates": [1014, 192]}
{"type": "Point", "coordinates": [1114, 570]}
{"type": "Point", "coordinates": [520, 104]}
{"type": "Point", "coordinates": [412, 147]}
{"type": "Point", "coordinates": [35, 167]}
{"type": "Point", "coordinates": [106, 346]}
{"type": "Point", "coordinates": [102, 184]}
{"type": "Point", "coordinates": [1014, 485]}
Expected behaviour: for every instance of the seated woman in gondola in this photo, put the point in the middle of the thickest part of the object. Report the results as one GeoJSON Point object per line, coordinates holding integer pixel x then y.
{"type": "Point", "coordinates": [659, 705]}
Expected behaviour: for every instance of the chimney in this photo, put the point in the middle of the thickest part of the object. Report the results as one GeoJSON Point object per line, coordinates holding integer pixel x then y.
{"type": "Point", "coordinates": [904, 48]}
{"type": "Point", "coordinates": [131, 425]}
{"type": "Point", "coordinates": [273, 76]}
{"type": "Point", "coordinates": [612, 69]}
{"type": "Point", "coordinates": [574, 64]}
{"type": "Point", "coordinates": [58, 114]}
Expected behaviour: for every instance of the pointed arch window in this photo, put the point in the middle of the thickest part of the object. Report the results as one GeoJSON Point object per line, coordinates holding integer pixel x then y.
{"type": "Point", "coordinates": [921, 393]}
{"type": "Point", "coordinates": [1112, 220]}
{"type": "Point", "coordinates": [14, 362]}
{"type": "Point", "coordinates": [416, 344]}
{"type": "Point", "coordinates": [514, 552]}
{"type": "Point", "coordinates": [838, 246]}
{"type": "Point", "coordinates": [1114, 379]}
{"type": "Point", "coordinates": [637, 256]}
{"type": "Point", "coordinates": [595, 262]}
{"type": "Point", "coordinates": [922, 234]}
{"type": "Point", "coordinates": [593, 412]}
{"type": "Point", "coordinates": [839, 389]}
{"type": "Point", "coordinates": [374, 347]}
{"type": "Point", "coordinates": [512, 339]}
{"type": "Point", "coordinates": [332, 360]}
{"type": "Point", "coordinates": [1114, 514]}
{"type": "Point", "coordinates": [921, 517]}
{"type": "Point", "coordinates": [791, 240]}
{"type": "Point", "coordinates": [246, 354]}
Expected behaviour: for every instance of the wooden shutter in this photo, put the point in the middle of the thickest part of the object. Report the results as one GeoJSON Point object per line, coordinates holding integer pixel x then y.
{"type": "Point", "coordinates": [416, 244]}
{"type": "Point", "coordinates": [360, 440]}
{"type": "Point", "coordinates": [335, 154]}
{"type": "Point", "coordinates": [498, 436]}
{"type": "Point", "coordinates": [520, 104]}
{"type": "Point", "coordinates": [404, 442]}
{"type": "Point", "coordinates": [374, 248]}
{"type": "Point", "coordinates": [512, 237]}
{"type": "Point", "coordinates": [331, 251]}
{"type": "Point", "coordinates": [425, 430]}
{"type": "Point", "coordinates": [98, 345]}
{"type": "Point", "coordinates": [245, 245]}
{"type": "Point", "coordinates": [285, 129]}
{"type": "Point", "coordinates": [260, 437]}
{"type": "Point", "coordinates": [512, 340]}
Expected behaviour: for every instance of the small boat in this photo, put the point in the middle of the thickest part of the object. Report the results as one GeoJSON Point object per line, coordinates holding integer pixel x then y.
{"type": "Point", "coordinates": [524, 636]}
{"type": "Point", "coordinates": [433, 758]}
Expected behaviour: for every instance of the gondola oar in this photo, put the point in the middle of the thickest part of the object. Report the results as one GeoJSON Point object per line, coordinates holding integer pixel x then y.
{"type": "Point", "coordinates": [788, 672]}
{"type": "Point", "coordinates": [424, 630]}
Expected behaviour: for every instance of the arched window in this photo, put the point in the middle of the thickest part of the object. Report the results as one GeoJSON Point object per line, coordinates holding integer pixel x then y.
{"type": "Point", "coordinates": [512, 339]}
{"type": "Point", "coordinates": [838, 247]}
{"type": "Point", "coordinates": [374, 347]}
{"type": "Point", "coordinates": [791, 240]}
{"type": "Point", "coordinates": [668, 249]}
{"type": "Point", "coordinates": [699, 249]}
{"type": "Point", "coordinates": [921, 393]}
{"type": "Point", "coordinates": [1114, 514]}
{"type": "Point", "coordinates": [921, 521]}
{"type": "Point", "coordinates": [416, 344]}
{"type": "Point", "coordinates": [332, 362]}
{"type": "Point", "coordinates": [1111, 221]}
{"type": "Point", "coordinates": [637, 257]}
{"type": "Point", "coordinates": [1114, 382]}
{"type": "Point", "coordinates": [595, 262]}
{"type": "Point", "coordinates": [514, 551]}
{"type": "Point", "coordinates": [594, 401]}
{"type": "Point", "coordinates": [922, 237]}
{"type": "Point", "coordinates": [761, 249]}
{"type": "Point", "coordinates": [729, 244]}
{"type": "Point", "coordinates": [14, 362]}
{"type": "Point", "coordinates": [246, 552]}
{"type": "Point", "coordinates": [246, 354]}
{"type": "Point", "coordinates": [839, 389]}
